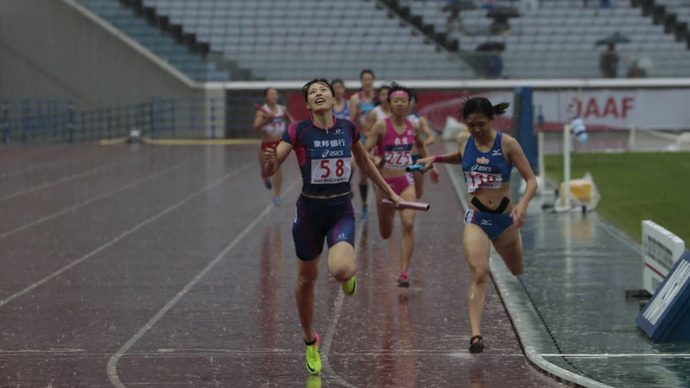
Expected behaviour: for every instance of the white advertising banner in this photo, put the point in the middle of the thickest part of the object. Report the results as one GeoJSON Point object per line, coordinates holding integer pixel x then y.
{"type": "Point", "coordinates": [661, 251]}
{"type": "Point", "coordinates": [620, 109]}
{"type": "Point", "coordinates": [657, 109]}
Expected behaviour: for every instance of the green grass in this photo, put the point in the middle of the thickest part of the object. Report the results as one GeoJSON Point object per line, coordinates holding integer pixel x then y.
{"type": "Point", "coordinates": [636, 187]}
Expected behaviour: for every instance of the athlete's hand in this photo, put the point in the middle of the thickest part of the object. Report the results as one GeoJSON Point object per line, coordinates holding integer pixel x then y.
{"type": "Point", "coordinates": [378, 161]}
{"type": "Point", "coordinates": [395, 198]}
{"type": "Point", "coordinates": [266, 117]}
{"type": "Point", "coordinates": [430, 140]}
{"type": "Point", "coordinates": [519, 214]}
{"type": "Point", "coordinates": [435, 177]}
{"type": "Point", "coordinates": [270, 155]}
{"type": "Point", "coordinates": [428, 163]}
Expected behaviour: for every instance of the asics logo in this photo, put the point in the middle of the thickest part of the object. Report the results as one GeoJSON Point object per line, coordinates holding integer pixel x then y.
{"type": "Point", "coordinates": [477, 167]}
{"type": "Point", "coordinates": [328, 153]}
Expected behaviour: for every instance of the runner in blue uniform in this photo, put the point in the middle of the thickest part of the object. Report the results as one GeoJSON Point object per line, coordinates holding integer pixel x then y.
{"type": "Point", "coordinates": [341, 109]}
{"type": "Point", "coordinates": [361, 104]}
{"type": "Point", "coordinates": [487, 157]}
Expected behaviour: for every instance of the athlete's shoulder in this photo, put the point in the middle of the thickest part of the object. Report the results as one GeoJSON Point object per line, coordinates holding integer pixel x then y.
{"type": "Point", "coordinates": [299, 126]}
{"type": "Point", "coordinates": [345, 123]}
{"type": "Point", "coordinates": [508, 141]}
{"type": "Point", "coordinates": [415, 125]}
{"type": "Point", "coordinates": [462, 138]}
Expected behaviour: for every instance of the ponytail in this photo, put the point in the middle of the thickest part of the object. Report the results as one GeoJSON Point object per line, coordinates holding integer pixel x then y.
{"type": "Point", "coordinates": [501, 108]}
{"type": "Point", "coordinates": [483, 105]}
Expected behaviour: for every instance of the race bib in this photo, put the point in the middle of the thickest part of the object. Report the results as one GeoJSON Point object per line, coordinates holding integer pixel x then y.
{"type": "Point", "coordinates": [329, 171]}
{"type": "Point", "coordinates": [398, 159]}
{"type": "Point", "coordinates": [486, 180]}
{"type": "Point", "coordinates": [276, 126]}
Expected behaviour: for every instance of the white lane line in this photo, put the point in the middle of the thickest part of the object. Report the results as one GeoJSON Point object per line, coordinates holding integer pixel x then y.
{"type": "Point", "coordinates": [62, 180]}
{"type": "Point", "coordinates": [123, 235]}
{"type": "Point", "coordinates": [40, 351]}
{"type": "Point", "coordinates": [111, 367]}
{"type": "Point", "coordinates": [618, 355]}
{"type": "Point", "coordinates": [94, 199]}
{"type": "Point", "coordinates": [38, 167]}
{"type": "Point", "coordinates": [214, 351]}
{"type": "Point", "coordinates": [328, 338]}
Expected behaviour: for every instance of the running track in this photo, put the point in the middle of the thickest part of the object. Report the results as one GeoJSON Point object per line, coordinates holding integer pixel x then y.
{"type": "Point", "coordinates": [167, 266]}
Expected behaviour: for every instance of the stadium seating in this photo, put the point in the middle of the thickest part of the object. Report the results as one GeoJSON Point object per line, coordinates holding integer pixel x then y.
{"type": "Point", "coordinates": [153, 38]}
{"type": "Point", "coordinates": [557, 39]}
{"type": "Point", "coordinates": [679, 7]}
{"type": "Point", "coordinates": [300, 39]}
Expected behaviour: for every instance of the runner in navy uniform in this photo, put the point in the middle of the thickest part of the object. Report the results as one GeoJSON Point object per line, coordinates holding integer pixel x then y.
{"type": "Point", "coordinates": [323, 146]}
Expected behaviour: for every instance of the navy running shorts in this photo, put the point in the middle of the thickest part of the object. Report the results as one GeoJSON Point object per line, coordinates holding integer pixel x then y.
{"type": "Point", "coordinates": [318, 218]}
{"type": "Point", "coordinates": [492, 224]}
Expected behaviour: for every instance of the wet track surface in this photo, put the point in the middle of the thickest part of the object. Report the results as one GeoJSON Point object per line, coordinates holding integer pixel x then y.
{"type": "Point", "coordinates": [168, 266]}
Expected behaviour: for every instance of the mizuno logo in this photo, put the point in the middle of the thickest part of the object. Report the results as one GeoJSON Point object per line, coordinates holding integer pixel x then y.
{"type": "Point", "coordinates": [496, 153]}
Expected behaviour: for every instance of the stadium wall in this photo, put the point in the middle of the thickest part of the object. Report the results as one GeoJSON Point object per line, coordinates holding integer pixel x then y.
{"type": "Point", "coordinates": [57, 48]}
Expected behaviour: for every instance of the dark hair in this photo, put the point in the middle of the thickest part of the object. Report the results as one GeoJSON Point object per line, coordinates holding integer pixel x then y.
{"type": "Point", "coordinates": [367, 71]}
{"type": "Point", "coordinates": [338, 81]}
{"type": "Point", "coordinates": [397, 87]}
{"type": "Point", "coordinates": [483, 105]}
{"type": "Point", "coordinates": [413, 95]}
{"type": "Point", "coordinates": [305, 88]}
{"type": "Point", "coordinates": [378, 91]}
{"type": "Point", "coordinates": [267, 90]}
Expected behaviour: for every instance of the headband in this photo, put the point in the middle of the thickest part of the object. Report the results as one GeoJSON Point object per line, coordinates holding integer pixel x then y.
{"type": "Point", "coordinates": [400, 93]}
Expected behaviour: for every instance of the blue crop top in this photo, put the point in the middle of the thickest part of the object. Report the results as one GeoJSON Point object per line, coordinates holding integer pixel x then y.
{"type": "Point", "coordinates": [485, 169]}
{"type": "Point", "coordinates": [343, 114]}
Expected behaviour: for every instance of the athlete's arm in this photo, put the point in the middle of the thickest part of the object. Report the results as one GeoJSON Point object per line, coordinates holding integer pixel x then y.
{"type": "Point", "coordinates": [288, 116]}
{"type": "Point", "coordinates": [423, 150]}
{"type": "Point", "coordinates": [354, 108]}
{"type": "Point", "coordinates": [367, 165]}
{"type": "Point", "coordinates": [451, 158]}
{"type": "Point", "coordinates": [515, 155]}
{"type": "Point", "coordinates": [260, 119]}
{"type": "Point", "coordinates": [377, 132]}
{"type": "Point", "coordinates": [424, 125]}
{"type": "Point", "coordinates": [276, 156]}
{"type": "Point", "coordinates": [369, 122]}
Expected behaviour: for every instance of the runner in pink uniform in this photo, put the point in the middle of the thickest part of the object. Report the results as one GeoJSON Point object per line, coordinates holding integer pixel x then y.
{"type": "Point", "coordinates": [394, 138]}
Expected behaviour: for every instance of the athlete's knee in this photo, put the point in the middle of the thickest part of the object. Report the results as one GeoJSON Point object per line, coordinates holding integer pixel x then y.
{"type": "Point", "coordinates": [385, 232]}
{"type": "Point", "coordinates": [407, 226]}
{"type": "Point", "coordinates": [479, 274]}
{"type": "Point", "coordinates": [307, 278]}
{"type": "Point", "coordinates": [344, 271]}
{"type": "Point", "coordinates": [516, 268]}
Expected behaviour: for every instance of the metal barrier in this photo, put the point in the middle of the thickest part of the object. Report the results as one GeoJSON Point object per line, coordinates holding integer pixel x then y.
{"type": "Point", "coordinates": [25, 120]}
{"type": "Point", "coordinates": [34, 121]}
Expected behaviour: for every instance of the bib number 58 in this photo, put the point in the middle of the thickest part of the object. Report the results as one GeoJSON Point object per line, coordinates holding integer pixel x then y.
{"type": "Point", "coordinates": [326, 168]}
